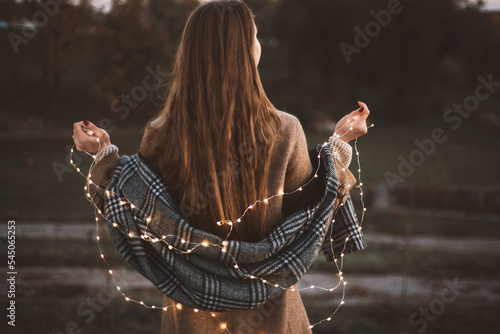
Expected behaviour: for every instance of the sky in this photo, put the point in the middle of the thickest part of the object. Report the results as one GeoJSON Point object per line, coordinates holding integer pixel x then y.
{"type": "Point", "coordinates": [493, 4]}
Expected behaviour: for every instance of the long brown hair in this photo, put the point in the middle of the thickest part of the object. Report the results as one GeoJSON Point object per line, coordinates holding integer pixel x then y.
{"type": "Point", "coordinates": [217, 127]}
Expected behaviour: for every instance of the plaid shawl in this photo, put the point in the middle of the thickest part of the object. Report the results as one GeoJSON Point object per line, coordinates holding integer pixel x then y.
{"type": "Point", "coordinates": [151, 234]}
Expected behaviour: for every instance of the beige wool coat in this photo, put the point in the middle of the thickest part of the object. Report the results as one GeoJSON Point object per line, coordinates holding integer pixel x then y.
{"type": "Point", "coordinates": [290, 168]}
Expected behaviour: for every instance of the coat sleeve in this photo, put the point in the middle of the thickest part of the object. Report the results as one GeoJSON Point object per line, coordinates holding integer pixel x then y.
{"type": "Point", "coordinates": [344, 235]}
{"type": "Point", "coordinates": [101, 175]}
{"type": "Point", "coordinates": [300, 170]}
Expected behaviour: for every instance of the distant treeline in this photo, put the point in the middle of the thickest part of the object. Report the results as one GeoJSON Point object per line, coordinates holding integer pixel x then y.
{"type": "Point", "coordinates": [407, 58]}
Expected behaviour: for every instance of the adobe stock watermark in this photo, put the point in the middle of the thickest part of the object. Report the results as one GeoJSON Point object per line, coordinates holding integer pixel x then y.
{"type": "Point", "coordinates": [420, 319]}
{"type": "Point", "coordinates": [121, 106]}
{"type": "Point", "coordinates": [256, 318]}
{"type": "Point", "coordinates": [87, 311]}
{"type": "Point", "coordinates": [454, 117]}
{"type": "Point", "coordinates": [222, 7]}
{"type": "Point", "coordinates": [372, 29]}
{"type": "Point", "coordinates": [49, 9]}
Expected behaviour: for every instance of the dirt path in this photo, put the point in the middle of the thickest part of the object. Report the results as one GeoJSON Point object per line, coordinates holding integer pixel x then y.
{"type": "Point", "coordinates": [359, 289]}
{"type": "Point", "coordinates": [86, 231]}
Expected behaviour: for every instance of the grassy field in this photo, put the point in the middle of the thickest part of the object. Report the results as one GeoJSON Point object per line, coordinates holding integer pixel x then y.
{"type": "Point", "coordinates": [379, 318]}
{"type": "Point", "coordinates": [34, 192]}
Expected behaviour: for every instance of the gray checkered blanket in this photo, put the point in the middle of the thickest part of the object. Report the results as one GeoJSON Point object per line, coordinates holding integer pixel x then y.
{"type": "Point", "coordinates": [201, 270]}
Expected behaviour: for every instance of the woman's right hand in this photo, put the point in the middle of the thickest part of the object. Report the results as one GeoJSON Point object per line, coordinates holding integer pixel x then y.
{"type": "Point", "coordinates": [90, 140]}
{"type": "Point", "coordinates": [353, 125]}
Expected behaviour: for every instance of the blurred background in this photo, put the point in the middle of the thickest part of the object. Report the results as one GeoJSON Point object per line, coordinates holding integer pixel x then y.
{"type": "Point", "coordinates": [429, 70]}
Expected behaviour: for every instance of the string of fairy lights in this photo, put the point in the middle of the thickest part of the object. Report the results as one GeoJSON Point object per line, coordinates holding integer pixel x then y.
{"type": "Point", "coordinates": [168, 239]}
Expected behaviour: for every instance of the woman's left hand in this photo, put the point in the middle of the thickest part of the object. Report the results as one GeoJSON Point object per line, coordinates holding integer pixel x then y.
{"type": "Point", "coordinates": [353, 125]}
{"type": "Point", "coordinates": [90, 140]}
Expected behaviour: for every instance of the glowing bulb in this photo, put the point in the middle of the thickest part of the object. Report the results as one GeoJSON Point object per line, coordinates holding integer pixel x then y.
{"type": "Point", "coordinates": [127, 299]}
{"type": "Point", "coordinates": [179, 306]}
{"type": "Point", "coordinates": [196, 310]}
{"type": "Point", "coordinates": [204, 244]}
{"type": "Point", "coordinates": [183, 241]}
{"type": "Point", "coordinates": [130, 235]}
{"type": "Point", "coordinates": [223, 326]}
{"type": "Point", "coordinates": [110, 272]}
{"type": "Point", "coordinates": [115, 224]}
{"type": "Point", "coordinates": [148, 220]}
